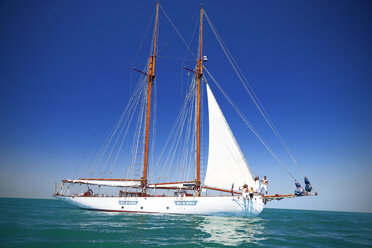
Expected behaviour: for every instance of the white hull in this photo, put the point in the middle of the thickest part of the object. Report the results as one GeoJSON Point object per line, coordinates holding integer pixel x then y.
{"type": "Point", "coordinates": [210, 205]}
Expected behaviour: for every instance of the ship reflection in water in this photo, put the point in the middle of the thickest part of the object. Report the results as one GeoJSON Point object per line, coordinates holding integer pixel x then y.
{"type": "Point", "coordinates": [232, 231]}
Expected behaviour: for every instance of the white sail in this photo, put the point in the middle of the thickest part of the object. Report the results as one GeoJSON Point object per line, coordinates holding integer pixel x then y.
{"type": "Point", "coordinates": [106, 182]}
{"type": "Point", "coordinates": [226, 162]}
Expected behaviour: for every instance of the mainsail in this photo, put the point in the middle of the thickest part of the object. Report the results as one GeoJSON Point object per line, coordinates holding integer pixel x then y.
{"type": "Point", "coordinates": [226, 162]}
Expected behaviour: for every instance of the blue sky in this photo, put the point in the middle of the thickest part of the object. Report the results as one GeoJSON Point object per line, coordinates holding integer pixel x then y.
{"type": "Point", "coordinates": [65, 76]}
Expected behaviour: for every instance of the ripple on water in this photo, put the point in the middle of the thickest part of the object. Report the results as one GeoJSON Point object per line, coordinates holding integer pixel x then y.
{"type": "Point", "coordinates": [51, 223]}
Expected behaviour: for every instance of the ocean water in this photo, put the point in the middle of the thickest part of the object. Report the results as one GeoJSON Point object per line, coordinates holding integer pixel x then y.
{"type": "Point", "coordinates": [52, 223]}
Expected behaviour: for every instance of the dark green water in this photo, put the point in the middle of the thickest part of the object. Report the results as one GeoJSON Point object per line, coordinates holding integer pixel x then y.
{"type": "Point", "coordinates": [51, 223]}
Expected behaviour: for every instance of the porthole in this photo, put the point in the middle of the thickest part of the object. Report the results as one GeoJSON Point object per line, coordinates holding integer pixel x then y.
{"type": "Point", "coordinates": [122, 207]}
{"type": "Point", "coordinates": [141, 207]}
{"type": "Point", "coordinates": [167, 207]}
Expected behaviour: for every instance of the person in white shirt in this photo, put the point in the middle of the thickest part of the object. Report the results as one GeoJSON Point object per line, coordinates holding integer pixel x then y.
{"type": "Point", "coordinates": [264, 185]}
{"type": "Point", "coordinates": [245, 191]}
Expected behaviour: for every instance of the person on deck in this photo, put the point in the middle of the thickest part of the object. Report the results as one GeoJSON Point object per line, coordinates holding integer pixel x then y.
{"type": "Point", "coordinates": [251, 192]}
{"type": "Point", "coordinates": [299, 191]}
{"type": "Point", "coordinates": [245, 191]}
{"type": "Point", "coordinates": [197, 192]}
{"type": "Point", "coordinates": [264, 185]}
{"type": "Point", "coordinates": [257, 185]}
{"type": "Point", "coordinates": [308, 186]}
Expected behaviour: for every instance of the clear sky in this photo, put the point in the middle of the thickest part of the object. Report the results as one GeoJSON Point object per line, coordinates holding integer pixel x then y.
{"type": "Point", "coordinates": [65, 76]}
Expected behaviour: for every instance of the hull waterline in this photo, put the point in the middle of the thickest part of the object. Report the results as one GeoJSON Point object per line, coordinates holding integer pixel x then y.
{"type": "Point", "coordinates": [211, 205]}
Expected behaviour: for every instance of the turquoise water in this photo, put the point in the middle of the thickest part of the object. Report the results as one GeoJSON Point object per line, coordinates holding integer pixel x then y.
{"type": "Point", "coordinates": [52, 223]}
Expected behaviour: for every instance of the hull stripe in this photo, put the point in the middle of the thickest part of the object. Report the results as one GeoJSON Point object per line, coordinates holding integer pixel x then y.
{"type": "Point", "coordinates": [123, 211]}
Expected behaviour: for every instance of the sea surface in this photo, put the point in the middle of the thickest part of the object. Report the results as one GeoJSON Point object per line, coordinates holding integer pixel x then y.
{"type": "Point", "coordinates": [52, 223]}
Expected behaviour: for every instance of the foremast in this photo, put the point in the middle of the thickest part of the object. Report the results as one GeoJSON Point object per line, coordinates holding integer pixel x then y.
{"type": "Point", "coordinates": [150, 78]}
{"type": "Point", "coordinates": [199, 74]}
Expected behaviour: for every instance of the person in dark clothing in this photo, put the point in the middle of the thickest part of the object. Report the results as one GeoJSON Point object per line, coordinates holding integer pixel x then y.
{"type": "Point", "coordinates": [299, 191]}
{"type": "Point", "coordinates": [308, 186]}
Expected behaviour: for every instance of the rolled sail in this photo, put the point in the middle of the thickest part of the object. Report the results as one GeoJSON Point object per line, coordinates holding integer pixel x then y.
{"type": "Point", "coordinates": [226, 162]}
{"type": "Point", "coordinates": [107, 182]}
{"type": "Point", "coordinates": [174, 185]}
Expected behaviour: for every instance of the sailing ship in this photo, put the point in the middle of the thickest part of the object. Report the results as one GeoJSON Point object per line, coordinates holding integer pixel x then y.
{"type": "Point", "coordinates": [227, 169]}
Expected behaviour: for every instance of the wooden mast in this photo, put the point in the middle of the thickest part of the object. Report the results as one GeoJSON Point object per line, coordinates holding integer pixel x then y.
{"type": "Point", "coordinates": [199, 74]}
{"type": "Point", "coordinates": [150, 76]}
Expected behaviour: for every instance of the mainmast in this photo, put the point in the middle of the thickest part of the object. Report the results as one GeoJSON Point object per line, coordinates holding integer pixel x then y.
{"type": "Point", "coordinates": [199, 74]}
{"type": "Point", "coordinates": [150, 76]}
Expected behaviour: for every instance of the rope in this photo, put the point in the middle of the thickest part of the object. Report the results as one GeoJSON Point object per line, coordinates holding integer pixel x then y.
{"type": "Point", "coordinates": [139, 130]}
{"type": "Point", "coordinates": [143, 38]}
{"type": "Point", "coordinates": [125, 127]}
{"type": "Point", "coordinates": [187, 51]}
{"type": "Point", "coordinates": [177, 141]}
{"type": "Point", "coordinates": [179, 34]}
{"type": "Point", "coordinates": [122, 119]}
{"type": "Point", "coordinates": [250, 91]}
{"type": "Point", "coordinates": [255, 132]}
